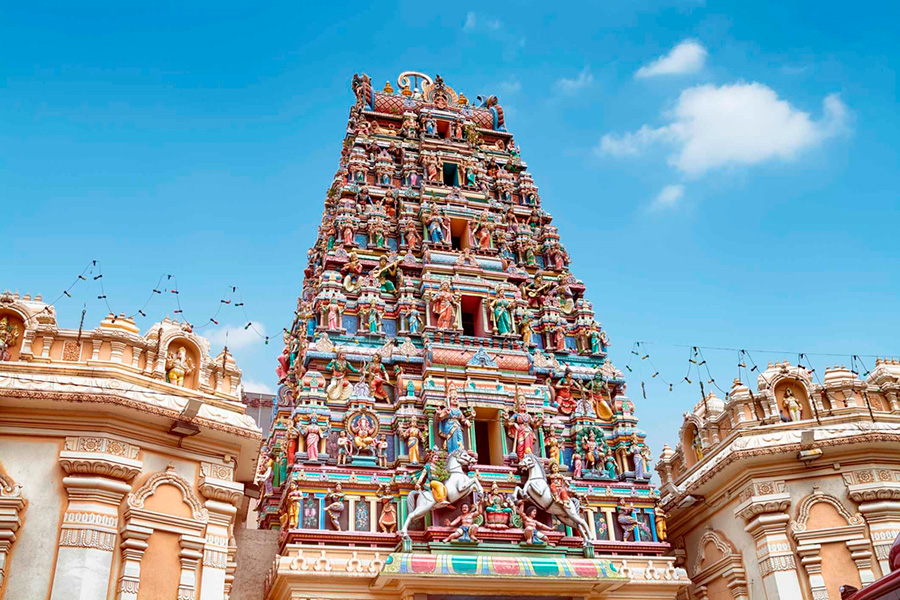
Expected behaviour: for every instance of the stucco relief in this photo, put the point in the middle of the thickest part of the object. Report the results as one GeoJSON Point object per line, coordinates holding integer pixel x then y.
{"type": "Point", "coordinates": [801, 522]}
{"type": "Point", "coordinates": [170, 477]}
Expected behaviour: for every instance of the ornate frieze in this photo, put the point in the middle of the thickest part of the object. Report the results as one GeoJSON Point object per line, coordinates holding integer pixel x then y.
{"type": "Point", "coordinates": [100, 456]}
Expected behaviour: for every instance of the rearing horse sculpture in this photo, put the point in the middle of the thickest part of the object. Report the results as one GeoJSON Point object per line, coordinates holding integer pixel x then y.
{"type": "Point", "coordinates": [458, 484]}
{"type": "Point", "coordinates": [537, 491]}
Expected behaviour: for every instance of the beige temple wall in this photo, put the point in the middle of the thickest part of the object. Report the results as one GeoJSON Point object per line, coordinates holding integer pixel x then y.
{"type": "Point", "coordinates": [33, 462]}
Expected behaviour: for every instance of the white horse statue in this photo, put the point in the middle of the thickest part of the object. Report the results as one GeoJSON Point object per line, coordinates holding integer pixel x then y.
{"type": "Point", "coordinates": [537, 491]}
{"type": "Point", "coordinates": [458, 484]}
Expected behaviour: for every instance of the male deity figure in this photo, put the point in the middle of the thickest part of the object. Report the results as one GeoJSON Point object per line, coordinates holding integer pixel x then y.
{"type": "Point", "coordinates": [413, 436]}
{"type": "Point", "coordinates": [465, 526]}
{"type": "Point", "coordinates": [534, 529]}
{"type": "Point", "coordinates": [444, 305]}
{"type": "Point", "coordinates": [339, 388]}
{"type": "Point", "coordinates": [178, 365]}
{"type": "Point", "coordinates": [795, 410]}
{"type": "Point", "coordinates": [521, 428]}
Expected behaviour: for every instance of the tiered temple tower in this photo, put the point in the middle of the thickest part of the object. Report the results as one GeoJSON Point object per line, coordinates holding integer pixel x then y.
{"type": "Point", "coordinates": [445, 374]}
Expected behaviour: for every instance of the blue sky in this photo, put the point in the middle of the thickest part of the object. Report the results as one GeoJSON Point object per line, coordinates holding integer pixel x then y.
{"type": "Point", "coordinates": [722, 174]}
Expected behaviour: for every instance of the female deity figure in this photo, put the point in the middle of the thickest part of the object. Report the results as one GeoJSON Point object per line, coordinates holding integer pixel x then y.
{"type": "Point", "coordinates": [436, 228]}
{"type": "Point", "coordinates": [363, 435]}
{"type": "Point", "coordinates": [563, 389]}
{"type": "Point", "coordinates": [384, 272]}
{"type": "Point", "coordinates": [598, 339]}
{"type": "Point", "coordinates": [178, 365]}
{"type": "Point", "coordinates": [559, 486]}
{"type": "Point", "coordinates": [292, 435]}
{"type": "Point", "coordinates": [313, 433]}
{"type": "Point", "coordinates": [498, 510]}
{"type": "Point", "coordinates": [413, 320]}
{"type": "Point", "coordinates": [347, 233]}
{"type": "Point", "coordinates": [793, 407]}
{"type": "Point", "coordinates": [577, 466]}
{"type": "Point", "coordinates": [452, 421]}
{"type": "Point", "coordinates": [295, 498]}
{"type": "Point", "coordinates": [501, 310]}
{"type": "Point", "coordinates": [373, 320]}
{"type": "Point", "coordinates": [414, 439]}
{"type": "Point", "coordinates": [525, 329]}
{"type": "Point", "coordinates": [609, 467]}
{"type": "Point", "coordinates": [428, 477]}
{"type": "Point", "coordinates": [339, 388]}
{"type": "Point", "coordinates": [352, 270]}
{"type": "Point", "coordinates": [343, 444]}
{"type": "Point", "coordinates": [630, 525]}
{"type": "Point", "coordinates": [413, 237]}
{"type": "Point", "coordinates": [334, 505]}
{"type": "Point", "coordinates": [333, 315]}
{"type": "Point", "coordinates": [521, 428]}
{"type": "Point", "coordinates": [443, 305]}
{"type": "Point", "coordinates": [534, 529]}
{"type": "Point", "coordinates": [376, 376]}
{"type": "Point", "coordinates": [637, 457]}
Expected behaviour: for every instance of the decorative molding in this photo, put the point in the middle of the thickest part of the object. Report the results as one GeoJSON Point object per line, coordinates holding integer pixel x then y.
{"type": "Point", "coordinates": [102, 445]}
{"type": "Point", "coordinates": [100, 456]}
{"type": "Point", "coordinates": [87, 538]}
{"type": "Point", "coordinates": [782, 562]}
{"type": "Point", "coordinates": [170, 477]}
{"type": "Point", "coordinates": [217, 471]}
{"type": "Point", "coordinates": [800, 524]}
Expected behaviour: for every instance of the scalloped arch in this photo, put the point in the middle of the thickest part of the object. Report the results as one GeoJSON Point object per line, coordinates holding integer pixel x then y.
{"type": "Point", "coordinates": [169, 477]}
{"type": "Point", "coordinates": [719, 539]}
{"type": "Point", "coordinates": [800, 523]}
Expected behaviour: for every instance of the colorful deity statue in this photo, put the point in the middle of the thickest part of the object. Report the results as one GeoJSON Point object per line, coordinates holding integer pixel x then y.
{"type": "Point", "coordinates": [452, 421]}
{"type": "Point", "coordinates": [577, 466]}
{"type": "Point", "coordinates": [631, 525]}
{"type": "Point", "coordinates": [436, 229]}
{"type": "Point", "coordinates": [414, 439]}
{"type": "Point", "coordinates": [533, 529]}
{"type": "Point", "coordinates": [376, 376]}
{"type": "Point", "coordinates": [384, 272]}
{"type": "Point", "coordinates": [565, 389]}
{"type": "Point", "coordinates": [344, 447]}
{"type": "Point", "coordinates": [444, 305]}
{"type": "Point", "coordinates": [501, 312]}
{"type": "Point", "coordinates": [559, 485]}
{"type": "Point", "coordinates": [363, 434]}
{"type": "Point", "coordinates": [521, 427]}
{"type": "Point", "coordinates": [637, 456]}
{"type": "Point", "coordinates": [598, 391]}
{"type": "Point", "coordinates": [352, 270]}
{"type": "Point", "coordinates": [333, 315]}
{"type": "Point", "coordinates": [381, 448]}
{"type": "Point", "coordinates": [413, 320]}
{"type": "Point", "coordinates": [178, 366]}
{"type": "Point", "coordinates": [312, 433]}
{"type": "Point", "coordinates": [553, 446]}
{"type": "Point", "coordinates": [465, 526]}
{"type": "Point", "coordinates": [430, 477]}
{"type": "Point", "coordinates": [9, 335]}
{"type": "Point", "coordinates": [334, 506]}
{"type": "Point", "coordinates": [610, 471]}
{"type": "Point", "coordinates": [339, 388]}
{"type": "Point", "coordinates": [294, 500]}
{"type": "Point", "coordinates": [498, 510]}
{"type": "Point", "coordinates": [412, 236]}
{"type": "Point", "coordinates": [794, 409]}
{"type": "Point", "coordinates": [388, 519]}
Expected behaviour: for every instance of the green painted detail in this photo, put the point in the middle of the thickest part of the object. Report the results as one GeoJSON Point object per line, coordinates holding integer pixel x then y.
{"type": "Point", "coordinates": [464, 565]}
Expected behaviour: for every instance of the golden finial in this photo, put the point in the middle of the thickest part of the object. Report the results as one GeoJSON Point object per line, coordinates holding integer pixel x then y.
{"type": "Point", "coordinates": [387, 88]}
{"type": "Point", "coordinates": [406, 91]}
{"type": "Point", "coordinates": [462, 99]}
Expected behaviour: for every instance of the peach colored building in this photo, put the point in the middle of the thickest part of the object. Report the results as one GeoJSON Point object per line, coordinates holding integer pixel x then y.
{"type": "Point", "coordinates": [122, 458]}
{"type": "Point", "coordinates": [788, 491]}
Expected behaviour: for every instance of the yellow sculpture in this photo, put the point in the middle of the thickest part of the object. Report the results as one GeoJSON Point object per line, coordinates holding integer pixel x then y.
{"type": "Point", "coordinates": [178, 365]}
{"type": "Point", "coordinates": [9, 335]}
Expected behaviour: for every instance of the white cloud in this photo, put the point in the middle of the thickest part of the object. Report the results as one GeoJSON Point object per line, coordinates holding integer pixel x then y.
{"type": "Point", "coordinates": [470, 21]}
{"type": "Point", "coordinates": [259, 387]}
{"type": "Point", "coordinates": [731, 125]}
{"type": "Point", "coordinates": [569, 86]}
{"type": "Point", "coordinates": [510, 86]}
{"type": "Point", "coordinates": [237, 336]}
{"type": "Point", "coordinates": [687, 57]}
{"type": "Point", "coordinates": [668, 197]}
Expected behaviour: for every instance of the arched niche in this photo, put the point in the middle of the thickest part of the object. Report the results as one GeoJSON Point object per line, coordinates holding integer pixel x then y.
{"type": "Point", "coordinates": [193, 361]}
{"type": "Point", "coordinates": [12, 334]}
{"type": "Point", "coordinates": [783, 390]}
{"type": "Point", "coordinates": [718, 567]}
{"type": "Point", "coordinates": [691, 443]}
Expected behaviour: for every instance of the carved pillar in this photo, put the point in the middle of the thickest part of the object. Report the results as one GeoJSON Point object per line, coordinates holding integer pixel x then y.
{"type": "Point", "coordinates": [190, 555]}
{"type": "Point", "coordinates": [97, 469]}
{"type": "Point", "coordinates": [763, 508]}
{"type": "Point", "coordinates": [134, 544]}
{"type": "Point", "coordinates": [861, 553]}
{"type": "Point", "coordinates": [118, 350]}
{"type": "Point", "coordinates": [877, 493]}
{"type": "Point", "coordinates": [223, 498]}
{"type": "Point", "coordinates": [11, 506]}
{"type": "Point", "coordinates": [812, 562]}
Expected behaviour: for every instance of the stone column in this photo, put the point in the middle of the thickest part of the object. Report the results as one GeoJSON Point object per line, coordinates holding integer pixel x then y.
{"type": "Point", "coordinates": [190, 555]}
{"type": "Point", "coordinates": [97, 470]}
{"type": "Point", "coordinates": [11, 505]}
{"type": "Point", "coordinates": [223, 499]}
{"type": "Point", "coordinates": [764, 509]}
{"type": "Point", "coordinates": [134, 543]}
{"type": "Point", "coordinates": [877, 493]}
{"type": "Point", "coordinates": [812, 562]}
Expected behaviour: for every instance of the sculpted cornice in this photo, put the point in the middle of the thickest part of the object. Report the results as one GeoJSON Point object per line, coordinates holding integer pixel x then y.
{"type": "Point", "coordinates": [70, 388]}
{"type": "Point", "coordinates": [748, 444]}
{"type": "Point", "coordinates": [100, 456]}
{"type": "Point", "coordinates": [872, 485]}
{"type": "Point", "coordinates": [217, 483]}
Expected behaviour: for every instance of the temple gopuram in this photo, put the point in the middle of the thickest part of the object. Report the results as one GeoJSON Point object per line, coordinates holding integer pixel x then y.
{"type": "Point", "coordinates": [791, 490]}
{"type": "Point", "coordinates": [448, 424]}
